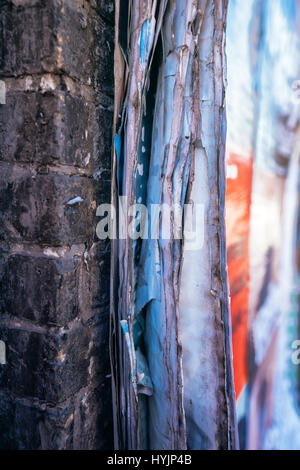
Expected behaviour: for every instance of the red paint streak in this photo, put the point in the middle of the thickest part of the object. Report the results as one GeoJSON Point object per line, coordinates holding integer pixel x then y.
{"type": "Point", "coordinates": [238, 201]}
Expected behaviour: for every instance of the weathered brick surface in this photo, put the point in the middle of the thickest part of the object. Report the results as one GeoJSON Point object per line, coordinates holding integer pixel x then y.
{"type": "Point", "coordinates": [29, 426]}
{"type": "Point", "coordinates": [91, 417]}
{"type": "Point", "coordinates": [56, 58]}
{"type": "Point", "coordinates": [104, 119]}
{"type": "Point", "coordinates": [54, 291]}
{"type": "Point", "coordinates": [105, 8]}
{"type": "Point", "coordinates": [83, 420]}
{"type": "Point", "coordinates": [86, 41]}
{"type": "Point", "coordinates": [48, 366]}
{"type": "Point", "coordinates": [28, 40]}
{"type": "Point", "coordinates": [40, 289]}
{"type": "Point", "coordinates": [56, 36]}
{"type": "Point", "coordinates": [75, 424]}
{"type": "Point", "coordinates": [36, 207]}
{"type": "Point", "coordinates": [54, 127]}
{"type": "Point", "coordinates": [94, 282]}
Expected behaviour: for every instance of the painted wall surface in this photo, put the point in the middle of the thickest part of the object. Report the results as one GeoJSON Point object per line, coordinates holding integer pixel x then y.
{"type": "Point", "coordinates": [263, 40]}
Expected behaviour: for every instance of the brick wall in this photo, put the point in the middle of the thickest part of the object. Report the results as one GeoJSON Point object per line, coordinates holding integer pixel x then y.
{"type": "Point", "coordinates": [56, 59]}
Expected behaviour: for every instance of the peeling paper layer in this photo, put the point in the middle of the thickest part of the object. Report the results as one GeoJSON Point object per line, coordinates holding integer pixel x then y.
{"type": "Point", "coordinates": [169, 148]}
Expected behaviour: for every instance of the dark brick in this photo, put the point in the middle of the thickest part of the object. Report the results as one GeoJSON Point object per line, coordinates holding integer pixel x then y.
{"type": "Point", "coordinates": [99, 367]}
{"type": "Point", "coordinates": [47, 366]}
{"type": "Point", "coordinates": [50, 128]}
{"type": "Point", "coordinates": [39, 289]}
{"type": "Point", "coordinates": [56, 427]}
{"type": "Point", "coordinates": [28, 37]}
{"type": "Point", "coordinates": [19, 430]}
{"type": "Point", "coordinates": [92, 418]}
{"type": "Point", "coordinates": [87, 47]}
{"type": "Point", "coordinates": [105, 123]}
{"type": "Point", "coordinates": [26, 426]}
{"type": "Point", "coordinates": [105, 8]}
{"type": "Point", "coordinates": [95, 283]}
{"type": "Point", "coordinates": [56, 36]}
{"type": "Point", "coordinates": [33, 207]}
{"type": "Point", "coordinates": [102, 188]}
{"type": "Point", "coordinates": [84, 422]}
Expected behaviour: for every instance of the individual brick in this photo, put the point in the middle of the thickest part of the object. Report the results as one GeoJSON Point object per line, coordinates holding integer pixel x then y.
{"type": "Point", "coordinates": [28, 426]}
{"type": "Point", "coordinates": [45, 208]}
{"type": "Point", "coordinates": [48, 366]}
{"type": "Point", "coordinates": [39, 289]}
{"type": "Point", "coordinates": [30, 27]}
{"type": "Point", "coordinates": [50, 128]}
